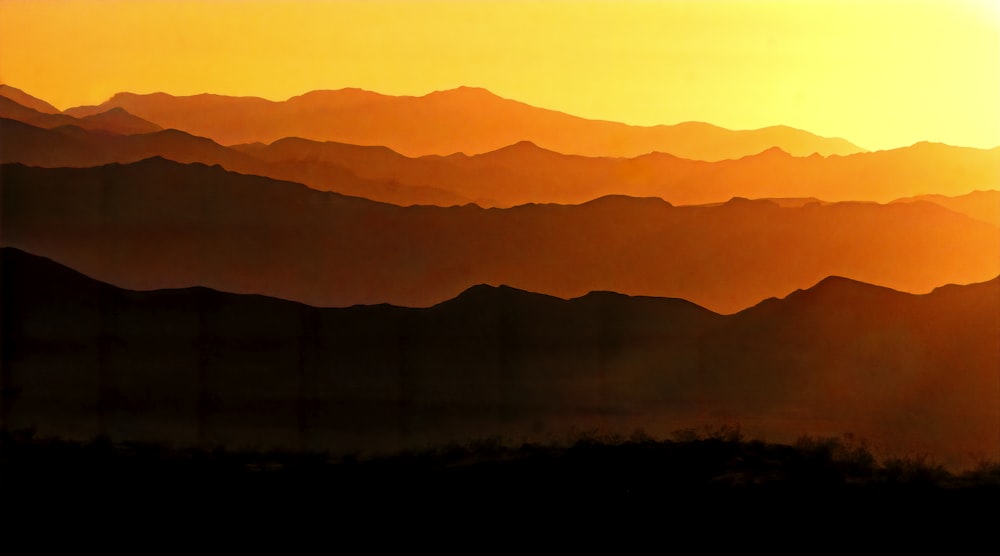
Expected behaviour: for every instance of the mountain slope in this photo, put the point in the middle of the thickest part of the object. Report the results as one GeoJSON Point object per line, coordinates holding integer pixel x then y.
{"type": "Point", "coordinates": [525, 173]}
{"type": "Point", "coordinates": [24, 99]}
{"type": "Point", "coordinates": [197, 366]}
{"type": "Point", "coordinates": [114, 120]}
{"type": "Point", "coordinates": [466, 120]}
{"type": "Point", "coordinates": [156, 224]}
{"type": "Point", "coordinates": [981, 205]}
{"type": "Point", "coordinates": [75, 147]}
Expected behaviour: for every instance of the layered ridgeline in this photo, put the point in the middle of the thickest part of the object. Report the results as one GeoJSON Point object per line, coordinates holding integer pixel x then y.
{"type": "Point", "coordinates": [913, 374]}
{"type": "Point", "coordinates": [28, 101]}
{"type": "Point", "coordinates": [465, 119]}
{"type": "Point", "coordinates": [159, 224]}
{"type": "Point", "coordinates": [71, 146]}
{"type": "Point", "coordinates": [524, 173]}
{"type": "Point", "coordinates": [114, 120]}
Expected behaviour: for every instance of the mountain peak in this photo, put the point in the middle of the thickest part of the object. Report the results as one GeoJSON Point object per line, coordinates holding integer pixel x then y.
{"type": "Point", "coordinates": [771, 153]}
{"type": "Point", "coordinates": [745, 202]}
{"type": "Point", "coordinates": [344, 94]}
{"type": "Point", "coordinates": [488, 296]}
{"type": "Point", "coordinates": [465, 90]}
{"type": "Point", "coordinates": [620, 200]}
{"type": "Point", "coordinates": [520, 148]}
{"type": "Point", "coordinates": [480, 291]}
{"type": "Point", "coordinates": [841, 286]}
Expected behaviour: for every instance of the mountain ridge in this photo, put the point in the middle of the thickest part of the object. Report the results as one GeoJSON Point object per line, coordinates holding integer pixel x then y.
{"type": "Point", "coordinates": [24, 99]}
{"type": "Point", "coordinates": [217, 221]}
{"type": "Point", "coordinates": [521, 173]}
{"type": "Point", "coordinates": [469, 120]}
{"type": "Point", "coordinates": [176, 366]}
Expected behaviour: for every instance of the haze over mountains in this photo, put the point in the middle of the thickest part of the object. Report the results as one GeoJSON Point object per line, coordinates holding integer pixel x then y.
{"type": "Point", "coordinates": [466, 119]}
{"type": "Point", "coordinates": [24, 99]}
{"type": "Point", "coordinates": [73, 147]}
{"type": "Point", "coordinates": [525, 173]}
{"type": "Point", "coordinates": [522, 173]}
{"type": "Point", "coordinates": [199, 367]}
{"type": "Point", "coordinates": [114, 120]}
{"type": "Point", "coordinates": [981, 205]}
{"type": "Point", "coordinates": [157, 223]}
{"type": "Point", "coordinates": [654, 277]}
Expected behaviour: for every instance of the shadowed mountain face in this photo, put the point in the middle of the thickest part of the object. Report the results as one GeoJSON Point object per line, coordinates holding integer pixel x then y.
{"type": "Point", "coordinates": [524, 173]}
{"type": "Point", "coordinates": [981, 205]}
{"type": "Point", "coordinates": [157, 224]}
{"type": "Point", "coordinates": [468, 120]}
{"type": "Point", "coordinates": [26, 100]}
{"type": "Point", "coordinates": [114, 120]}
{"type": "Point", "coordinates": [201, 367]}
{"type": "Point", "coordinates": [75, 147]}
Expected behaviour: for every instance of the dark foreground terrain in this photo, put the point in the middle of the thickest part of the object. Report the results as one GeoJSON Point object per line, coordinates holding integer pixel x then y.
{"type": "Point", "coordinates": [715, 471]}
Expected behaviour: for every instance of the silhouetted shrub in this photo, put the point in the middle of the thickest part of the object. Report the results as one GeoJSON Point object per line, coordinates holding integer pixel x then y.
{"type": "Point", "coordinates": [916, 470]}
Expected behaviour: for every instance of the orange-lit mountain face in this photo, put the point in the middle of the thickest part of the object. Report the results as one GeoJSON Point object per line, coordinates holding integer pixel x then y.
{"type": "Point", "coordinates": [525, 173]}
{"type": "Point", "coordinates": [145, 207]}
{"type": "Point", "coordinates": [522, 173]}
{"type": "Point", "coordinates": [24, 99]}
{"type": "Point", "coordinates": [115, 120]}
{"type": "Point", "coordinates": [72, 146]}
{"type": "Point", "coordinates": [981, 205]}
{"type": "Point", "coordinates": [28, 101]}
{"type": "Point", "coordinates": [644, 216]}
{"type": "Point", "coordinates": [468, 120]}
{"type": "Point", "coordinates": [157, 224]}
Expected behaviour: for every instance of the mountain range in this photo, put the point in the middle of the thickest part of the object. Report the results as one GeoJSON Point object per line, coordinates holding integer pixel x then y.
{"type": "Point", "coordinates": [158, 224]}
{"type": "Point", "coordinates": [201, 367]}
{"type": "Point", "coordinates": [114, 120]}
{"type": "Point", "coordinates": [467, 119]}
{"type": "Point", "coordinates": [349, 271]}
{"type": "Point", "coordinates": [522, 173]}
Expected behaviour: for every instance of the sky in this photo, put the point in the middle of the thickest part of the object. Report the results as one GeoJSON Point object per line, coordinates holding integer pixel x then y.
{"type": "Point", "coordinates": [880, 73]}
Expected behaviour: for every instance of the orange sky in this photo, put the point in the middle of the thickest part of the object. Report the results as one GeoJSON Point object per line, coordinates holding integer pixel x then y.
{"type": "Point", "coordinates": [880, 73]}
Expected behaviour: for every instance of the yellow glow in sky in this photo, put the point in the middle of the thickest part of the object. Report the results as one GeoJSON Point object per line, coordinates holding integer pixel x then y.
{"type": "Point", "coordinates": [880, 73]}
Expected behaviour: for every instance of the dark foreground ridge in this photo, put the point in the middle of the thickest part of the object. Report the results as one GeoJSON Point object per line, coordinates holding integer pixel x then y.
{"type": "Point", "coordinates": [200, 368]}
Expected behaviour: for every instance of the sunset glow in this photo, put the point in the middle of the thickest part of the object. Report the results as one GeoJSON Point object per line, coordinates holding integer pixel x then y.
{"type": "Point", "coordinates": [881, 74]}
{"type": "Point", "coordinates": [333, 230]}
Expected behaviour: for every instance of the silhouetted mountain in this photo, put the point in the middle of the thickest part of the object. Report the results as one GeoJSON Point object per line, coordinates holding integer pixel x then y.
{"type": "Point", "coordinates": [465, 119]}
{"type": "Point", "coordinates": [525, 173]}
{"type": "Point", "coordinates": [981, 205]}
{"type": "Point", "coordinates": [72, 146]}
{"type": "Point", "coordinates": [115, 120]}
{"type": "Point", "coordinates": [200, 367]}
{"type": "Point", "coordinates": [24, 99]}
{"type": "Point", "coordinates": [156, 224]}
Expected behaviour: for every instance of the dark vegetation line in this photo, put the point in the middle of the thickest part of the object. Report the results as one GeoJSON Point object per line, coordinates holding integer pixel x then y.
{"type": "Point", "coordinates": [711, 462]}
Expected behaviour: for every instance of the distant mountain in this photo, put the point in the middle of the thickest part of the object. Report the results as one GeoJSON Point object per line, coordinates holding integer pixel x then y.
{"type": "Point", "coordinates": [525, 173]}
{"type": "Point", "coordinates": [75, 147]}
{"type": "Point", "coordinates": [465, 119]}
{"type": "Point", "coordinates": [156, 224]}
{"type": "Point", "coordinates": [24, 99]}
{"type": "Point", "coordinates": [196, 366]}
{"type": "Point", "coordinates": [115, 120]}
{"type": "Point", "coordinates": [981, 205]}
